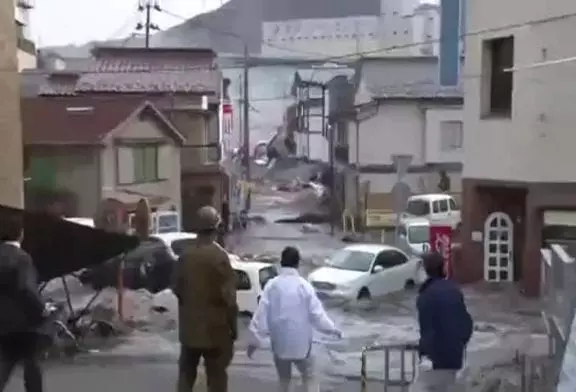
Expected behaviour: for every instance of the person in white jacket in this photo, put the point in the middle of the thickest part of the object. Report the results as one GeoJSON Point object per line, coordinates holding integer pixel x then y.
{"type": "Point", "coordinates": [289, 312]}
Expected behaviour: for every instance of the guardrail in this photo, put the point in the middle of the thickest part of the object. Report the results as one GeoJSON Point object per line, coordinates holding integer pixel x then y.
{"type": "Point", "coordinates": [403, 356]}
{"type": "Point", "coordinates": [558, 296]}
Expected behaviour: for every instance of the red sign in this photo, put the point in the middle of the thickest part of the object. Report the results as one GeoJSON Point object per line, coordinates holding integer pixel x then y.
{"type": "Point", "coordinates": [227, 119]}
{"type": "Point", "coordinates": [441, 242]}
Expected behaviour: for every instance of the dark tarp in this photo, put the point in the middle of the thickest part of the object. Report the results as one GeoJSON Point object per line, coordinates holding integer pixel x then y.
{"type": "Point", "coordinates": [59, 247]}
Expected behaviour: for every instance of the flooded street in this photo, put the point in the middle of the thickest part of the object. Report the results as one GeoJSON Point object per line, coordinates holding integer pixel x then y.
{"type": "Point", "coordinates": [504, 321]}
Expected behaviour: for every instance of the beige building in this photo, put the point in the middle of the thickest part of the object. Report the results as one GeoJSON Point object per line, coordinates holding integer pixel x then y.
{"type": "Point", "coordinates": [184, 84]}
{"type": "Point", "coordinates": [11, 173]}
{"type": "Point", "coordinates": [27, 58]}
{"type": "Point", "coordinates": [80, 151]}
{"type": "Point", "coordinates": [519, 136]}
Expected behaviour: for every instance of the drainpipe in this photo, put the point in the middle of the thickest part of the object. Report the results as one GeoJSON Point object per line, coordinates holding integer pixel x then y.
{"type": "Point", "coordinates": [357, 124]}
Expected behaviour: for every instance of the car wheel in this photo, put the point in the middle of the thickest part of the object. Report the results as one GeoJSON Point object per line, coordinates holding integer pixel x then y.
{"type": "Point", "coordinates": [364, 293]}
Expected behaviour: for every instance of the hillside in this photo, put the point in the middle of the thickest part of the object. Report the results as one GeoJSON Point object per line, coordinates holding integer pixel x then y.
{"type": "Point", "coordinates": [222, 28]}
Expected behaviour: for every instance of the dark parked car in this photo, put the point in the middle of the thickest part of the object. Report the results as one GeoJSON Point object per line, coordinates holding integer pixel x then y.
{"type": "Point", "coordinates": [149, 266]}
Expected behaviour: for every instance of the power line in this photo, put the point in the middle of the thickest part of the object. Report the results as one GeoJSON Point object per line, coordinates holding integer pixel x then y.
{"type": "Point", "coordinates": [129, 21]}
{"type": "Point", "coordinates": [146, 7]}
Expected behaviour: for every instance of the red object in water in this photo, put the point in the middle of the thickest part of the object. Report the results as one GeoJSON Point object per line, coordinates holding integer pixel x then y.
{"type": "Point", "coordinates": [441, 242]}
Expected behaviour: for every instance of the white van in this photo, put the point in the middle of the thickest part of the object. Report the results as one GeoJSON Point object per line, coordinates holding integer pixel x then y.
{"type": "Point", "coordinates": [414, 236]}
{"type": "Point", "coordinates": [439, 208]}
{"type": "Point", "coordinates": [161, 222]}
{"type": "Point", "coordinates": [252, 278]}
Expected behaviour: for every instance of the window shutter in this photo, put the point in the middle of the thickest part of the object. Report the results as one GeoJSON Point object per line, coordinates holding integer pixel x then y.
{"type": "Point", "coordinates": [125, 165]}
{"type": "Point", "coordinates": [165, 160]}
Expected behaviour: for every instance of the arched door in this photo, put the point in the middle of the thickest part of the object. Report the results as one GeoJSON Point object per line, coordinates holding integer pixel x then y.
{"type": "Point", "coordinates": [498, 248]}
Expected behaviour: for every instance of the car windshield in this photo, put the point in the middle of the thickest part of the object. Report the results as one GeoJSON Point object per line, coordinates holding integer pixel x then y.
{"type": "Point", "coordinates": [179, 246]}
{"type": "Point", "coordinates": [418, 234]}
{"type": "Point", "coordinates": [418, 207]}
{"type": "Point", "coordinates": [167, 223]}
{"type": "Point", "coordinates": [266, 274]}
{"type": "Point", "coordinates": [352, 260]}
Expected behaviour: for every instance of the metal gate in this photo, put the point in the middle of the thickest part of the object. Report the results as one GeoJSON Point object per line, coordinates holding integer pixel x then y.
{"type": "Point", "coordinates": [400, 365]}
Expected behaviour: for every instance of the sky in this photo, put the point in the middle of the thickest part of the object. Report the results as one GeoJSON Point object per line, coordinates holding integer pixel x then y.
{"type": "Point", "coordinates": [63, 22]}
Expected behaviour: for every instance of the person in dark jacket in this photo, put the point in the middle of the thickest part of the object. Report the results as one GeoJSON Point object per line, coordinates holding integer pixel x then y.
{"type": "Point", "coordinates": [205, 285]}
{"type": "Point", "coordinates": [22, 310]}
{"type": "Point", "coordinates": [445, 328]}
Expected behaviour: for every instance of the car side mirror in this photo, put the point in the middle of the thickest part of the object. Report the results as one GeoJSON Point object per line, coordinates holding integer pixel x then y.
{"type": "Point", "coordinates": [377, 268]}
{"type": "Point", "coordinates": [402, 237]}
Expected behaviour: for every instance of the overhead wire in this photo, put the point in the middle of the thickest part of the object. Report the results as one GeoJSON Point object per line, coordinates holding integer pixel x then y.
{"type": "Point", "coordinates": [361, 54]}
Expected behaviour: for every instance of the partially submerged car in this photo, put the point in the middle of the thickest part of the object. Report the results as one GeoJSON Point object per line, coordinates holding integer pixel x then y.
{"type": "Point", "coordinates": [150, 267]}
{"type": "Point", "coordinates": [365, 271]}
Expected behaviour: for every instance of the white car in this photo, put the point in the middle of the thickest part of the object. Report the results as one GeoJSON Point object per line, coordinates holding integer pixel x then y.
{"type": "Point", "coordinates": [252, 276]}
{"type": "Point", "coordinates": [81, 221]}
{"type": "Point", "coordinates": [365, 271]}
{"type": "Point", "coordinates": [175, 242]}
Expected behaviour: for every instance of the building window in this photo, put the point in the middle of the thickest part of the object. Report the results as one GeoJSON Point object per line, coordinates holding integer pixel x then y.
{"type": "Point", "coordinates": [145, 163]}
{"type": "Point", "coordinates": [451, 135]}
{"type": "Point", "coordinates": [500, 52]}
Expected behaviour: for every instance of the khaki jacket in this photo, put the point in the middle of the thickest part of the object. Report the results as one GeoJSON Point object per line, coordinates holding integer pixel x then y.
{"type": "Point", "coordinates": [205, 285]}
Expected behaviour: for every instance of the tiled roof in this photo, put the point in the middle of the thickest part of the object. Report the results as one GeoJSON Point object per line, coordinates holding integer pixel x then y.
{"type": "Point", "coordinates": [75, 120]}
{"type": "Point", "coordinates": [416, 91]}
{"type": "Point", "coordinates": [131, 70]}
{"type": "Point", "coordinates": [196, 81]}
{"type": "Point", "coordinates": [58, 84]}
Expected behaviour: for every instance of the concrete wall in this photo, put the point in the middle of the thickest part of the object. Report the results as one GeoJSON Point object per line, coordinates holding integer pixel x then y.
{"type": "Point", "coordinates": [405, 127]}
{"type": "Point", "coordinates": [11, 160]}
{"type": "Point", "coordinates": [26, 60]}
{"type": "Point", "coordinates": [436, 150]}
{"type": "Point", "coordinates": [537, 142]}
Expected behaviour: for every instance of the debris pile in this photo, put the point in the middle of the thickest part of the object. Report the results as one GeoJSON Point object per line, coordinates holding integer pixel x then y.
{"type": "Point", "coordinates": [141, 309]}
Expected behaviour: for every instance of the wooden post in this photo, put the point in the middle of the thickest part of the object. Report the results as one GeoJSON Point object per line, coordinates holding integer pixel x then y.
{"type": "Point", "coordinates": [120, 290]}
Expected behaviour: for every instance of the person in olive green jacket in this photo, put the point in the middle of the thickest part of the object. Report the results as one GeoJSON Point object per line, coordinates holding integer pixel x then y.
{"type": "Point", "coordinates": [205, 285]}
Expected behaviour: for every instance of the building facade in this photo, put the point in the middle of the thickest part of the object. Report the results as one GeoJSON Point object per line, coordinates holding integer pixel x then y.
{"type": "Point", "coordinates": [518, 135]}
{"type": "Point", "coordinates": [423, 123]}
{"type": "Point", "coordinates": [11, 166]}
{"type": "Point", "coordinates": [400, 28]}
{"type": "Point", "coordinates": [27, 58]}
{"type": "Point", "coordinates": [84, 151]}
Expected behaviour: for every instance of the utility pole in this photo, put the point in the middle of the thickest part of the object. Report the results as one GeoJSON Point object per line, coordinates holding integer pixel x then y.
{"type": "Point", "coordinates": [246, 122]}
{"type": "Point", "coordinates": [147, 6]}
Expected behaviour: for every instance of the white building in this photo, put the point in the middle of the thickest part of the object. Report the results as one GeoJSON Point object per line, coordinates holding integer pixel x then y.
{"type": "Point", "coordinates": [26, 47]}
{"type": "Point", "coordinates": [422, 121]}
{"type": "Point", "coordinates": [519, 134]}
{"type": "Point", "coordinates": [400, 24]}
{"type": "Point", "coordinates": [407, 114]}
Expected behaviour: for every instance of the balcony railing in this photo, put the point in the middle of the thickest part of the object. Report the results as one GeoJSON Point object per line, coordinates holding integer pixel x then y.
{"type": "Point", "coordinates": [196, 157]}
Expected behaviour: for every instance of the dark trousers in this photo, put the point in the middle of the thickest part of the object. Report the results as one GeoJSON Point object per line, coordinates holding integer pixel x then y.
{"type": "Point", "coordinates": [216, 362]}
{"type": "Point", "coordinates": [21, 349]}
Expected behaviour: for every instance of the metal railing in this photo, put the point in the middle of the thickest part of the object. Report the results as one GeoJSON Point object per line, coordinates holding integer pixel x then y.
{"type": "Point", "coordinates": [400, 365]}
{"type": "Point", "coordinates": [558, 296]}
